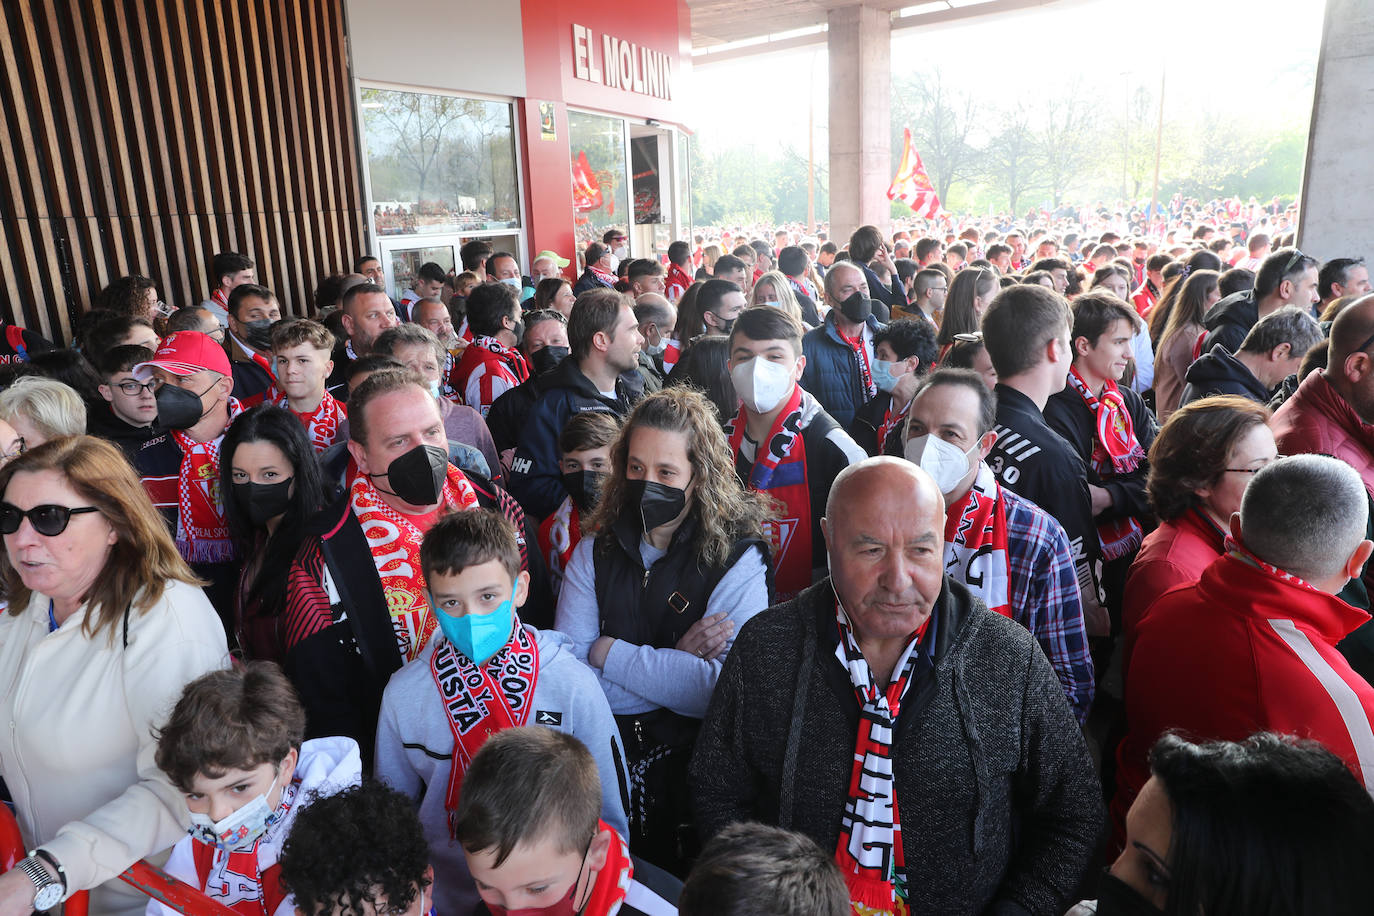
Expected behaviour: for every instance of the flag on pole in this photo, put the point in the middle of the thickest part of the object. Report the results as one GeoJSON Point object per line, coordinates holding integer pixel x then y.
{"type": "Point", "coordinates": [912, 185]}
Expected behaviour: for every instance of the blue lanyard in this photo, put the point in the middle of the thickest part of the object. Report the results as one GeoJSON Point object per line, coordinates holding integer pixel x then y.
{"type": "Point", "coordinates": [52, 618]}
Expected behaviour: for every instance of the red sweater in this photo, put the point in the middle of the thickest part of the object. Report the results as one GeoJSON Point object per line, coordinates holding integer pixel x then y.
{"type": "Point", "coordinates": [1242, 651]}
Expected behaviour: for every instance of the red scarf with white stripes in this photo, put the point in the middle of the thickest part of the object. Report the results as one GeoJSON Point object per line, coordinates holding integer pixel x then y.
{"type": "Point", "coordinates": [202, 532]}
{"type": "Point", "coordinates": [869, 851]}
{"type": "Point", "coordinates": [605, 276]}
{"type": "Point", "coordinates": [512, 359]}
{"type": "Point", "coordinates": [395, 543]}
{"type": "Point", "coordinates": [865, 372]}
{"type": "Point", "coordinates": [976, 551]}
{"type": "Point", "coordinates": [1116, 452]}
{"type": "Point", "coordinates": [481, 700]}
{"type": "Point", "coordinates": [779, 469]}
{"type": "Point", "coordinates": [558, 535]}
{"type": "Point", "coordinates": [322, 423]}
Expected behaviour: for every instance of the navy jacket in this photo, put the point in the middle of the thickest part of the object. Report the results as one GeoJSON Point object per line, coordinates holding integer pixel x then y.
{"type": "Point", "coordinates": [832, 374]}
{"type": "Point", "coordinates": [888, 295]}
{"type": "Point", "coordinates": [1229, 320]}
{"type": "Point", "coordinates": [535, 479]}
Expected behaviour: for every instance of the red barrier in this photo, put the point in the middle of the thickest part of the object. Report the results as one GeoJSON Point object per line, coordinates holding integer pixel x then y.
{"type": "Point", "coordinates": [142, 876]}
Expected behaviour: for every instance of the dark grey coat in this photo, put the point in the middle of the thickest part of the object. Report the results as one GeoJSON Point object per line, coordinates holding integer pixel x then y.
{"type": "Point", "coordinates": [999, 803]}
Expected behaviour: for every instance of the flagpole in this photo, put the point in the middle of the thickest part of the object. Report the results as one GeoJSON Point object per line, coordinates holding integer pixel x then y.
{"type": "Point", "coordinates": [1159, 146]}
{"type": "Point", "coordinates": [811, 150]}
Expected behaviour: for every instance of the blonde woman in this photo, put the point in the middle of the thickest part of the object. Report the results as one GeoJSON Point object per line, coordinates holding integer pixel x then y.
{"type": "Point", "coordinates": [774, 289]}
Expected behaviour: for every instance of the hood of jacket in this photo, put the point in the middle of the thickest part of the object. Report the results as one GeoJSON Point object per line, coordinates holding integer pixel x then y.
{"type": "Point", "coordinates": [1237, 308]}
{"type": "Point", "coordinates": [1220, 371]}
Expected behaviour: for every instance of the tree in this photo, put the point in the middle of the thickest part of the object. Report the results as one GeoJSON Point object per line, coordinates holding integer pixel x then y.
{"type": "Point", "coordinates": [941, 120]}
{"type": "Point", "coordinates": [1064, 141]}
{"type": "Point", "coordinates": [1010, 160]}
{"type": "Point", "coordinates": [413, 126]}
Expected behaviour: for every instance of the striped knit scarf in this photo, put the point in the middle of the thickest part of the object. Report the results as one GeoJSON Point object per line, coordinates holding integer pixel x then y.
{"type": "Point", "coordinates": [202, 532]}
{"type": "Point", "coordinates": [1116, 452]}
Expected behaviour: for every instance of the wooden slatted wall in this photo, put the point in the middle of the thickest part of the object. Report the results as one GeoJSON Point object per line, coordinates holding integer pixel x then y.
{"type": "Point", "coordinates": [143, 136]}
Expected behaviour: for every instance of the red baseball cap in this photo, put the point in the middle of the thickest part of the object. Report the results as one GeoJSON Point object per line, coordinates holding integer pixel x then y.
{"type": "Point", "coordinates": [184, 353]}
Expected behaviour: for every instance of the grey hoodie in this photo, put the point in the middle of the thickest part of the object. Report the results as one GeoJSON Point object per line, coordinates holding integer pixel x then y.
{"type": "Point", "coordinates": [415, 749]}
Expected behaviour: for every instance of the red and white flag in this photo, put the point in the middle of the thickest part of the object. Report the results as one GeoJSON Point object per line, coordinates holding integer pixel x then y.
{"type": "Point", "coordinates": [912, 185]}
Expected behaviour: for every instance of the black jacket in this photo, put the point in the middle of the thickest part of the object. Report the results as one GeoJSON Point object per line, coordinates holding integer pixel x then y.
{"type": "Point", "coordinates": [998, 797]}
{"type": "Point", "coordinates": [889, 295]}
{"type": "Point", "coordinates": [534, 476]}
{"type": "Point", "coordinates": [1034, 461]}
{"type": "Point", "coordinates": [867, 420]}
{"type": "Point", "coordinates": [101, 421]}
{"type": "Point", "coordinates": [1218, 372]}
{"type": "Point", "coordinates": [1229, 320]}
{"type": "Point", "coordinates": [1068, 414]}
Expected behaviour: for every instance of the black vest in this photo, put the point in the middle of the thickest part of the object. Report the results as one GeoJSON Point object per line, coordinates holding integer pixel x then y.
{"type": "Point", "coordinates": [656, 606]}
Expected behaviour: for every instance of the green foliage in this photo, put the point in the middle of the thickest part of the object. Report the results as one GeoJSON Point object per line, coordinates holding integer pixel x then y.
{"type": "Point", "coordinates": [742, 185]}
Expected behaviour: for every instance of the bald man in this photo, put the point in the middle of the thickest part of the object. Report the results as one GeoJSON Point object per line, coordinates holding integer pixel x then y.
{"type": "Point", "coordinates": [1332, 411]}
{"type": "Point", "coordinates": [891, 672]}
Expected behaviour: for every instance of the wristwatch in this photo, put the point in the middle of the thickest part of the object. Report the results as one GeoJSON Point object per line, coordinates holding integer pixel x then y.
{"type": "Point", "coordinates": [47, 892]}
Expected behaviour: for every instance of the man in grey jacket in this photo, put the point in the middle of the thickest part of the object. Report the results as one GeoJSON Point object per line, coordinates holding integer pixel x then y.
{"type": "Point", "coordinates": [890, 716]}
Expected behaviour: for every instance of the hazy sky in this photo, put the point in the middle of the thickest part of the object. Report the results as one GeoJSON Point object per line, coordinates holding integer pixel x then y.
{"type": "Point", "coordinates": [1212, 51]}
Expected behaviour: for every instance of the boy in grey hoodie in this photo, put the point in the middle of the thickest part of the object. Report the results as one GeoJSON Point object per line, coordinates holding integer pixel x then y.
{"type": "Point", "coordinates": [489, 672]}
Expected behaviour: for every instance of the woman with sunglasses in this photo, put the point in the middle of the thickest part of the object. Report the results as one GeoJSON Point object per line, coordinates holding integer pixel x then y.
{"type": "Point", "coordinates": [272, 483]}
{"type": "Point", "coordinates": [106, 625]}
{"type": "Point", "coordinates": [969, 297]}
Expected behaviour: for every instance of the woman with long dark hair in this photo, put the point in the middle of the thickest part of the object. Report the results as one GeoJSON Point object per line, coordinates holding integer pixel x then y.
{"type": "Point", "coordinates": [272, 483]}
{"type": "Point", "coordinates": [969, 297]}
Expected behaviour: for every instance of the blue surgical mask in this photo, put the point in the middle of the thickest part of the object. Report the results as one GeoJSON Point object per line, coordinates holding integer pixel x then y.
{"type": "Point", "coordinates": [478, 636]}
{"type": "Point", "coordinates": [513, 281]}
{"type": "Point", "coordinates": [882, 375]}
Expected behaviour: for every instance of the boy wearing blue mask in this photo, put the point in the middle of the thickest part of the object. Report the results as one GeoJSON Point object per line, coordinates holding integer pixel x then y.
{"type": "Point", "coordinates": [904, 353]}
{"type": "Point", "coordinates": [234, 745]}
{"type": "Point", "coordinates": [489, 672]}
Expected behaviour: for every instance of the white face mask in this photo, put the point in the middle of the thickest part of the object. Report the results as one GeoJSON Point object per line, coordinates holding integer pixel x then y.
{"type": "Point", "coordinates": [240, 830]}
{"type": "Point", "coordinates": [942, 461]}
{"type": "Point", "coordinates": [515, 282]}
{"type": "Point", "coordinates": [620, 252]}
{"type": "Point", "coordinates": [614, 265]}
{"type": "Point", "coordinates": [761, 383]}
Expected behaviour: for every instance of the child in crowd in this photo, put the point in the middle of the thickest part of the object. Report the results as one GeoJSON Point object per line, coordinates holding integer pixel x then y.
{"type": "Point", "coordinates": [585, 460]}
{"type": "Point", "coordinates": [234, 746]}
{"type": "Point", "coordinates": [753, 869]}
{"type": "Point", "coordinates": [359, 851]}
{"type": "Point", "coordinates": [302, 350]}
{"type": "Point", "coordinates": [127, 420]}
{"type": "Point", "coordinates": [528, 827]}
{"type": "Point", "coordinates": [489, 672]}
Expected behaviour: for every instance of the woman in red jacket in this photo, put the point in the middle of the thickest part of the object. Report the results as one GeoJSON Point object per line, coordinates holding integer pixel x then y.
{"type": "Point", "coordinates": [1200, 464]}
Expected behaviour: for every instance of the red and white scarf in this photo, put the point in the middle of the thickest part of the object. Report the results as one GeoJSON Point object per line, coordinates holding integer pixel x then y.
{"type": "Point", "coordinates": [512, 359]}
{"type": "Point", "coordinates": [892, 418]}
{"type": "Point", "coordinates": [605, 276]}
{"type": "Point", "coordinates": [1238, 550]}
{"type": "Point", "coordinates": [1116, 452]}
{"type": "Point", "coordinates": [395, 543]}
{"type": "Point", "coordinates": [238, 880]}
{"type": "Point", "coordinates": [677, 282]}
{"type": "Point", "coordinates": [202, 532]}
{"type": "Point", "coordinates": [672, 352]}
{"type": "Point", "coordinates": [779, 469]}
{"type": "Point", "coordinates": [558, 535]}
{"type": "Point", "coordinates": [869, 851]}
{"type": "Point", "coordinates": [481, 700]}
{"type": "Point", "coordinates": [976, 551]}
{"type": "Point", "coordinates": [865, 371]}
{"type": "Point", "coordinates": [803, 286]}
{"type": "Point", "coordinates": [322, 423]}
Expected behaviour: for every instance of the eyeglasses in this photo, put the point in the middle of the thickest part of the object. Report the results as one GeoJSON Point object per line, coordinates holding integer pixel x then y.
{"type": "Point", "coordinates": [972, 337]}
{"type": "Point", "coordinates": [132, 388]}
{"type": "Point", "coordinates": [48, 520]}
{"type": "Point", "coordinates": [1253, 470]}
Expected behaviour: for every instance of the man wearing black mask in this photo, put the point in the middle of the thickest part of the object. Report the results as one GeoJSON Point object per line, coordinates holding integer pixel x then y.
{"type": "Point", "coordinates": [839, 353]}
{"type": "Point", "coordinates": [180, 466]}
{"type": "Point", "coordinates": [252, 311]}
{"type": "Point", "coordinates": [357, 606]}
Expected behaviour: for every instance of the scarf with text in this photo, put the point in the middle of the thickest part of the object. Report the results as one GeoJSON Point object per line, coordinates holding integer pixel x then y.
{"type": "Point", "coordinates": [238, 880]}
{"type": "Point", "coordinates": [202, 532]}
{"type": "Point", "coordinates": [1116, 452]}
{"type": "Point", "coordinates": [976, 552]}
{"type": "Point", "coordinates": [481, 700]}
{"type": "Point", "coordinates": [322, 423]}
{"type": "Point", "coordinates": [779, 469]}
{"type": "Point", "coordinates": [511, 358]}
{"type": "Point", "coordinates": [869, 851]}
{"type": "Point", "coordinates": [395, 544]}
{"type": "Point", "coordinates": [613, 879]}
{"type": "Point", "coordinates": [865, 371]}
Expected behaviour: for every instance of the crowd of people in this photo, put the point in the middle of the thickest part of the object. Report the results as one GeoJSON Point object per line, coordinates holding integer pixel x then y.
{"type": "Point", "coordinates": [687, 586]}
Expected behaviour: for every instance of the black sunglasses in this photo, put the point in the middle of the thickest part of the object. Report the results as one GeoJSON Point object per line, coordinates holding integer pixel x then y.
{"type": "Point", "coordinates": [48, 520]}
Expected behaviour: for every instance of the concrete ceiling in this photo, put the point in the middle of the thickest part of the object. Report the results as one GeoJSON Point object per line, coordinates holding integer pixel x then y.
{"type": "Point", "coordinates": [729, 29]}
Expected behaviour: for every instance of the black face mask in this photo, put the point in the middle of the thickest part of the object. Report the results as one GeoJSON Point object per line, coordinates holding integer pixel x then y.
{"type": "Point", "coordinates": [856, 308]}
{"type": "Point", "coordinates": [658, 503]}
{"type": "Point", "coordinates": [258, 334]}
{"type": "Point", "coordinates": [518, 331]}
{"type": "Point", "coordinates": [178, 408]}
{"type": "Point", "coordinates": [723, 325]}
{"type": "Point", "coordinates": [585, 488]}
{"type": "Point", "coordinates": [417, 477]}
{"type": "Point", "coordinates": [262, 502]}
{"type": "Point", "coordinates": [547, 358]}
{"type": "Point", "coordinates": [1117, 898]}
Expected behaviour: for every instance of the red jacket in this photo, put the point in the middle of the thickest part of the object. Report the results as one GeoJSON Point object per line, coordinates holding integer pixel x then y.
{"type": "Point", "coordinates": [1316, 420]}
{"type": "Point", "coordinates": [1173, 554]}
{"type": "Point", "coordinates": [482, 374]}
{"type": "Point", "coordinates": [1144, 299]}
{"type": "Point", "coordinates": [1243, 650]}
{"type": "Point", "coordinates": [676, 284]}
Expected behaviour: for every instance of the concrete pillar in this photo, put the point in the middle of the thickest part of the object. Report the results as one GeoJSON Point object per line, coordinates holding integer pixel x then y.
{"type": "Point", "coordinates": [860, 46]}
{"type": "Point", "coordinates": [1337, 209]}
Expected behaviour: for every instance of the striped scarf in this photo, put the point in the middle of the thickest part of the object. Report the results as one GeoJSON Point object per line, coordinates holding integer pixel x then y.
{"type": "Point", "coordinates": [1116, 452]}
{"type": "Point", "coordinates": [202, 532]}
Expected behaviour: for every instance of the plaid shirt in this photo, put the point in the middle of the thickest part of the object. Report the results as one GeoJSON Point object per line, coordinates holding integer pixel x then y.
{"type": "Point", "coordinates": [1045, 597]}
